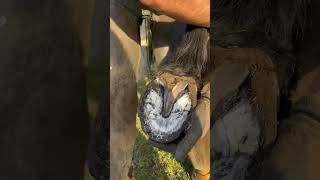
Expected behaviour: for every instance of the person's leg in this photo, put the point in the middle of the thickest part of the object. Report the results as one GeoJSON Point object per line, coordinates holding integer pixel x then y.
{"type": "Point", "coordinates": [124, 58]}
{"type": "Point", "coordinates": [123, 105]}
{"type": "Point", "coordinates": [44, 124]}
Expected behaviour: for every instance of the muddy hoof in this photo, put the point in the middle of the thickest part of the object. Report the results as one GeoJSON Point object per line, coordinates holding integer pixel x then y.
{"type": "Point", "coordinates": [164, 109]}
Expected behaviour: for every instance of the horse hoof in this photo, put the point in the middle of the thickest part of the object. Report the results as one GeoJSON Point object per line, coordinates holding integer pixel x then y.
{"type": "Point", "coordinates": [164, 108]}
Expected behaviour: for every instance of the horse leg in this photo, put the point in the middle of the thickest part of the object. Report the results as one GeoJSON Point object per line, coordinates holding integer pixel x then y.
{"type": "Point", "coordinates": [167, 35]}
{"type": "Point", "coordinates": [296, 151]}
{"type": "Point", "coordinates": [200, 158]}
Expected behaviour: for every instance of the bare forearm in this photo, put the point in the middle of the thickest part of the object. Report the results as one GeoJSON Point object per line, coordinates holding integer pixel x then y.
{"type": "Point", "coordinates": [196, 12]}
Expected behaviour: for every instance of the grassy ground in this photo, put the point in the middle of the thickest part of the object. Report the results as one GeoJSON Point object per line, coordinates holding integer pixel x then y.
{"type": "Point", "coordinates": [151, 163]}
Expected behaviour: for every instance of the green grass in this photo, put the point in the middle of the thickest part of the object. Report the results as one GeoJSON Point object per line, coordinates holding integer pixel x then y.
{"type": "Point", "coordinates": [151, 163]}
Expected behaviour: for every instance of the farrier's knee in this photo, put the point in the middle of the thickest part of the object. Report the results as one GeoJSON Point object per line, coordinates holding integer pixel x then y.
{"type": "Point", "coordinates": [123, 86]}
{"type": "Point", "coordinates": [123, 101]}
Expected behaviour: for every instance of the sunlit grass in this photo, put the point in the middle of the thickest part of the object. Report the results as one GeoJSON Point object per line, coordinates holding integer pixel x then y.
{"type": "Point", "coordinates": [151, 163]}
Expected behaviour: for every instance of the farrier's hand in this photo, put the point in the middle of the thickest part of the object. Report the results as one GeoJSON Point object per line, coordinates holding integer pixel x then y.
{"type": "Point", "coordinates": [199, 127]}
{"type": "Point", "coordinates": [196, 12]}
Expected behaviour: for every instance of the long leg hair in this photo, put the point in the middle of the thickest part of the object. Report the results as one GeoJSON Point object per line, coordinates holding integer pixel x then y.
{"type": "Point", "coordinates": [192, 56]}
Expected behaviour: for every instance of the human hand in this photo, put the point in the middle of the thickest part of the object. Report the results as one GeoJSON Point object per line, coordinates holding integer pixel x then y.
{"type": "Point", "coordinates": [195, 12]}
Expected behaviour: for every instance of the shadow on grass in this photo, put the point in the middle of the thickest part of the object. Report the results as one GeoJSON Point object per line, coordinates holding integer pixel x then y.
{"type": "Point", "coordinates": [150, 163]}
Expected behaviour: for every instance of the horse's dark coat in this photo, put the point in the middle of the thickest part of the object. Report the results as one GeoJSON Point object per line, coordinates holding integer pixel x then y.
{"type": "Point", "coordinates": [44, 124]}
{"type": "Point", "coordinates": [290, 22]}
{"type": "Point", "coordinates": [285, 19]}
